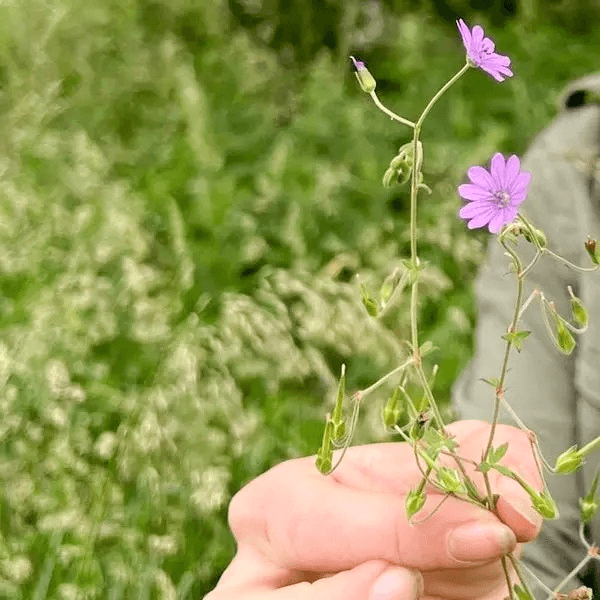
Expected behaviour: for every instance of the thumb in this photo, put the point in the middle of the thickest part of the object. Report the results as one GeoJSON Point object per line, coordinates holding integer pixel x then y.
{"type": "Point", "coordinates": [375, 580]}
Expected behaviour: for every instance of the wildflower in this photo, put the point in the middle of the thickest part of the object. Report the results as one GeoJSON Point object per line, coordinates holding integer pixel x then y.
{"type": "Point", "coordinates": [480, 52]}
{"type": "Point", "coordinates": [494, 197]}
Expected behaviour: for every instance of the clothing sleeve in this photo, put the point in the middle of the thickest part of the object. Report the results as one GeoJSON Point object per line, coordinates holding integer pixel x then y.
{"type": "Point", "coordinates": [556, 396]}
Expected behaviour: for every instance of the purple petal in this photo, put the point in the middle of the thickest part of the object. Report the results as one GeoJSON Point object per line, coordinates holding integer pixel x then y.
{"type": "Point", "coordinates": [477, 34]}
{"type": "Point", "coordinates": [497, 222]}
{"type": "Point", "coordinates": [472, 209]}
{"type": "Point", "coordinates": [518, 199]}
{"type": "Point", "coordinates": [487, 45]}
{"type": "Point", "coordinates": [520, 184]}
{"type": "Point", "coordinates": [480, 177]}
{"type": "Point", "coordinates": [468, 191]}
{"type": "Point", "coordinates": [497, 168]}
{"type": "Point", "coordinates": [497, 60]}
{"type": "Point", "coordinates": [482, 218]}
{"type": "Point", "coordinates": [464, 33]}
{"type": "Point", "coordinates": [358, 64]}
{"type": "Point", "coordinates": [513, 164]}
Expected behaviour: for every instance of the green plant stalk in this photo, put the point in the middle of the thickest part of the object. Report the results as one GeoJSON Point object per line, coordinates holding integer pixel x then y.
{"type": "Point", "coordinates": [413, 201]}
{"type": "Point", "coordinates": [414, 296]}
{"type": "Point", "coordinates": [509, 344]}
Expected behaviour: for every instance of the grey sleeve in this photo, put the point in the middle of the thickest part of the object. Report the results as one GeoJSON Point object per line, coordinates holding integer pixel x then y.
{"type": "Point", "coordinates": [558, 397]}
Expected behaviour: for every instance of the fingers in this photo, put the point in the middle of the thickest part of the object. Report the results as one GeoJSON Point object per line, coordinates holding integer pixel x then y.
{"type": "Point", "coordinates": [301, 520]}
{"type": "Point", "coordinates": [375, 580]}
{"type": "Point", "coordinates": [514, 505]}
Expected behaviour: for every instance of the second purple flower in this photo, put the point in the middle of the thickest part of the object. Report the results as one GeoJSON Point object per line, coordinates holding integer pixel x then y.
{"type": "Point", "coordinates": [494, 197]}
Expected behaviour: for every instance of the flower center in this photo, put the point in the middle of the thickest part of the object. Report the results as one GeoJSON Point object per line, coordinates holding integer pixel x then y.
{"type": "Point", "coordinates": [502, 197]}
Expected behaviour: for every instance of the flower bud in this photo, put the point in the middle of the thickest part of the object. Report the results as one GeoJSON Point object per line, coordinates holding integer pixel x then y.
{"type": "Point", "coordinates": [578, 310]}
{"type": "Point", "coordinates": [415, 499]}
{"type": "Point", "coordinates": [450, 481]}
{"type": "Point", "coordinates": [544, 504]}
{"type": "Point", "coordinates": [594, 252]}
{"type": "Point", "coordinates": [569, 461]}
{"type": "Point", "coordinates": [325, 453]}
{"type": "Point", "coordinates": [337, 418]}
{"type": "Point", "coordinates": [365, 79]}
{"type": "Point", "coordinates": [589, 504]}
{"type": "Point", "coordinates": [566, 342]}
{"type": "Point", "coordinates": [388, 177]}
{"type": "Point", "coordinates": [587, 510]}
{"type": "Point", "coordinates": [393, 409]}
{"type": "Point", "coordinates": [368, 301]}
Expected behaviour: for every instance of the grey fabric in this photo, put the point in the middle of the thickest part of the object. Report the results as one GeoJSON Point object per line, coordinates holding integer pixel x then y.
{"type": "Point", "coordinates": [556, 396]}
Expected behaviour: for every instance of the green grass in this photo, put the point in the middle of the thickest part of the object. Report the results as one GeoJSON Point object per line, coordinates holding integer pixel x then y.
{"type": "Point", "coordinates": [187, 192]}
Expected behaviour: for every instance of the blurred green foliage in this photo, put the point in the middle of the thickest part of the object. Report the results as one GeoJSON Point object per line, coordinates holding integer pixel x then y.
{"type": "Point", "coordinates": [188, 190]}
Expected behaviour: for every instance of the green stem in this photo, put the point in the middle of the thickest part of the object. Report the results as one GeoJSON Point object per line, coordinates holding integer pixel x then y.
{"type": "Point", "coordinates": [513, 327]}
{"type": "Point", "coordinates": [417, 160]}
{"type": "Point", "coordinates": [389, 113]}
{"type": "Point", "coordinates": [444, 89]}
{"type": "Point", "coordinates": [364, 393]}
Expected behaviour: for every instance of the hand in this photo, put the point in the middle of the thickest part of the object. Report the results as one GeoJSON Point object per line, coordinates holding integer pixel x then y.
{"type": "Point", "coordinates": [305, 536]}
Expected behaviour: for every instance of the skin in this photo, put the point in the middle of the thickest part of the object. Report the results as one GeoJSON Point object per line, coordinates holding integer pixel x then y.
{"type": "Point", "coordinates": [304, 536]}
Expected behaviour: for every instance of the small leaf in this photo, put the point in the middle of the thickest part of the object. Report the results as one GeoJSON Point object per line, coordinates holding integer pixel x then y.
{"type": "Point", "coordinates": [516, 338]}
{"type": "Point", "coordinates": [493, 381]}
{"type": "Point", "coordinates": [496, 455]}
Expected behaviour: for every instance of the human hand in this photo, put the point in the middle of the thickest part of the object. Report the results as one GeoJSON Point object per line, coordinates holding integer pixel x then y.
{"type": "Point", "coordinates": [305, 536]}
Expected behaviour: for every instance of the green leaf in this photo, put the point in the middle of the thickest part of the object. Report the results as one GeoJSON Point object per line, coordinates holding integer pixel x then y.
{"type": "Point", "coordinates": [493, 381]}
{"type": "Point", "coordinates": [496, 455]}
{"type": "Point", "coordinates": [516, 338]}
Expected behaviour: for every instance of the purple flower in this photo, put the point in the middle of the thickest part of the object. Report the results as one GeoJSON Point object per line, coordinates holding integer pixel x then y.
{"type": "Point", "coordinates": [480, 52]}
{"type": "Point", "coordinates": [494, 198]}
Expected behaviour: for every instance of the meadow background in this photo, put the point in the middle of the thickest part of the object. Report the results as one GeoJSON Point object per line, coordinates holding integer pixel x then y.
{"type": "Point", "coordinates": [188, 191]}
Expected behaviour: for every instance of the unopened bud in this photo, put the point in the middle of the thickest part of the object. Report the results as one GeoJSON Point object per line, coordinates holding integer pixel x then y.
{"type": "Point", "coordinates": [325, 453]}
{"type": "Point", "coordinates": [415, 499]}
{"type": "Point", "coordinates": [337, 418]}
{"type": "Point", "coordinates": [450, 481]}
{"type": "Point", "coordinates": [368, 301]}
{"type": "Point", "coordinates": [589, 504]}
{"type": "Point", "coordinates": [594, 253]}
{"type": "Point", "coordinates": [578, 310]}
{"type": "Point", "coordinates": [587, 510]}
{"type": "Point", "coordinates": [566, 341]}
{"type": "Point", "coordinates": [544, 504]}
{"type": "Point", "coordinates": [393, 409]}
{"type": "Point", "coordinates": [569, 461]}
{"type": "Point", "coordinates": [365, 79]}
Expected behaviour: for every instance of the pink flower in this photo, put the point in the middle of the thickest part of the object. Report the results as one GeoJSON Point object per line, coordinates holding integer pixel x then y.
{"type": "Point", "coordinates": [494, 198]}
{"type": "Point", "coordinates": [480, 52]}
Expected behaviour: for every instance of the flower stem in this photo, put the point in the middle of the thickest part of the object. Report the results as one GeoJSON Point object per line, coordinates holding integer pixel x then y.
{"type": "Point", "coordinates": [389, 113]}
{"type": "Point", "coordinates": [364, 393]}
{"type": "Point", "coordinates": [500, 387]}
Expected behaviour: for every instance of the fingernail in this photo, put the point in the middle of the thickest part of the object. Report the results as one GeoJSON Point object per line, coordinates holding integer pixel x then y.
{"type": "Point", "coordinates": [524, 508]}
{"type": "Point", "coordinates": [394, 584]}
{"type": "Point", "coordinates": [475, 542]}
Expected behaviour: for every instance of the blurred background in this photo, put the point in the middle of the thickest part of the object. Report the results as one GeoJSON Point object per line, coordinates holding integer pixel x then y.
{"type": "Point", "coordinates": [188, 192]}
